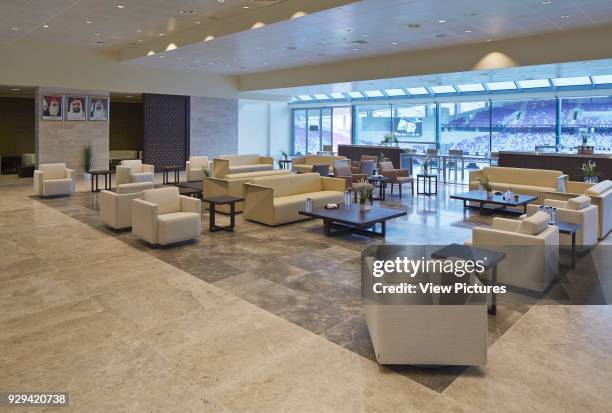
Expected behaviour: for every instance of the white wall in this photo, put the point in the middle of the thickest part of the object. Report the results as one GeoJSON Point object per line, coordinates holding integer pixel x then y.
{"type": "Point", "coordinates": [264, 127]}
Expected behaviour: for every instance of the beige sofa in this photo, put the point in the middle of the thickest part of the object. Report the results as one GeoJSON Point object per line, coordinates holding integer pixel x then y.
{"type": "Point", "coordinates": [519, 180]}
{"type": "Point", "coordinates": [233, 164]}
{"type": "Point", "coordinates": [116, 207]}
{"type": "Point", "coordinates": [277, 200]}
{"type": "Point", "coordinates": [232, 185]}
{"type": "Point", "coordinates": [600, 194]}
{"type": "Point", "coordinates": [304, 164]}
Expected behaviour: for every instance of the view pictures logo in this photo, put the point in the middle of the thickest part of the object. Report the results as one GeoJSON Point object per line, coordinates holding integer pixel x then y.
{"type": "Point", "coordinates": [427, 266]}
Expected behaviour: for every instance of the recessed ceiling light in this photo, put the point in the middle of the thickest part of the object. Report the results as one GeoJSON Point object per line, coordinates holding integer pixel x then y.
{"type": "Point", "coordinates": [14, 28]}
{"type": "Point", "coordinates": [98, 34]}
{"type": "Point", "coordinates": [565, 16]}
{"type": "Point", "coordinates": [138, 31]}
{"type": "Point", "coordinates": [198, 22]}
{"type": "Point", "coordinates": [186, 11]}
{"type": "Point", "coordinates": [197, 60]}
{"type": "Point", "coordinates": [209, 38]}
{"type": "Point", "coordinates": [15, 89]}
{"type": "Point", "coordinates": [120, 6]}
{"type": "Point", "coordinates": [306, 57]}
{"type": "Point", "coordinates": [365, 35]}
{"type": "Point", "coordinates": [140, 40]}
{"type": "Point", "coordinates": [395, 43]}
{"type": "Point", "coordinates": [221, 1]}
{"type": "Point", "coordinates": [355, 50]}
{"type": "Point", "coordinates": [88, 21]}
{"type": "Point", "coordinates": [468, 31]}
{"type": "Point", "coordinates": [546, 2]}
{"type": "Point", "coordinates": [442, 21]}
{"type": "Point", "coordinates": [162, 34]}
{"type": "Point", "coordinates": [245, 7]}
{"type": "Point", "coordinates": [46, 26]}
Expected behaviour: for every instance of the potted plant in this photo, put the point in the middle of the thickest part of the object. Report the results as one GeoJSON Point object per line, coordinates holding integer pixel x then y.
{"type": "Point", "coordinates": [390, 139]}
{"type": "Point", "coordinates": [364, 190]}
{"type": "Point", "coordinates": [589, 172]}
{"type": "Point", "coordinates": [87, 161]}
{"type": "Point", "coordinates": [382, 158]}
{"type": "Point", "coordinates": [206, 172]}
{"type": "Point", "coordinates": [284, 155]}
{"type": "Point", "coordinates": [485, 185]}
{"type": "Point", "coordinates": [426, 165]}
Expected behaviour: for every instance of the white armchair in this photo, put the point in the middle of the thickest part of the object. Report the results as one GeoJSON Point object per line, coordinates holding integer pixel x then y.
{"type": "Point", "coordinates": [531, 247]}
{"type": "Point", "coordinates": [54, 179]}
{"type": "Point", "coordinates": [116, 207]}
{"type": "Point", "coordinates": [163, 217]}
{"type": "Point", "coordinates": [133, 171]}
{"type": "Point", "coordinates": [194, 167]}
{"type": "Point", "coordinates": [576, 211]}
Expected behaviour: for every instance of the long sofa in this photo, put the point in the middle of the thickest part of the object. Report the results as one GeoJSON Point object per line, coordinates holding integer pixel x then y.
{"type": "Point", "coordinates": [305, 164]}
{"type": "Point", "coordinates": [233, 164]}
{"type": "Point", "coordinates": [232, 185]}
{"type": "Point", "coordinates": [519, 180]}
{"type": "Point", "coordinates": [600, 194]}
{"type": "Point", "coordinates": [277, 200]}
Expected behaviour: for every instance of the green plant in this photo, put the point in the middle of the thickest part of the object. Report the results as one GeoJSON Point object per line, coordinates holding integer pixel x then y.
{"type": "Point", "coordinates": [589, 169]}
{"type": "Point", "coordinates": [485, 183]}
{"type": "Point", "coordinates": [284, 155]}
{"type": "Point", "coordinates": [87, 158]}
{"type": "Point", "coordinates": [206, 171]}
{"type": "Point", "coordinates": [426, 164]}
{"type": "Point", "coordinates": [364, 189]}
{"type": "Point", "coordinates": [390, 138]}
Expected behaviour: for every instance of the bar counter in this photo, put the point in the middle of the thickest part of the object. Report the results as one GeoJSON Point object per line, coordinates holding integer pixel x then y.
{"type": "Point", "coordinates": [568, 163]}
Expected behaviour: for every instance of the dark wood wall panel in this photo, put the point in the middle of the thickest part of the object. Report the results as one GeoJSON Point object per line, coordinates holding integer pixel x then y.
{"type": "Point", "coordinates": [166, 129]}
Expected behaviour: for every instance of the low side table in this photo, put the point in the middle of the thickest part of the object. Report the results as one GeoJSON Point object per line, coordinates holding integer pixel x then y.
{"type": "Point", "coordinates": [166, 169]}
{"type": "Point", "coordinates": [94, 177]}
{"type": "Point", "coordinates": [285, 163]}
{"type": "Point", "coordinates": [426, 180]}
{"type": "Point", "coordinates": [379, 182]}
{"type": "Point", "coordinates": [222, 200]}
{"type": "Point", "coordinates": [570, 229]}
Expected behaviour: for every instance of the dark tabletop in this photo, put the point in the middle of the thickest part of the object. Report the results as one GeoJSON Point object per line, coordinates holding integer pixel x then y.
{"type": "Point", "coordinates": [192, 185]}
{"type": "Point", "coordinates": [481, 196]}
{"type": "Point", "coordinates": [169, 167]}
{"type": "Point", "coordinates": [353, 216]}
{"type": "Point", "coordinates": [467, 252]}
{"type": "Point", "coordinates": [100, 172]}
{"type": "Point", "coordinates": [568, 227]}
{"type": "Point", "coordinates": [224, 199]}
{"type": "Point", "coordinates": [427, 176]}
{"type": "Point", "coordinates": [378, 178]}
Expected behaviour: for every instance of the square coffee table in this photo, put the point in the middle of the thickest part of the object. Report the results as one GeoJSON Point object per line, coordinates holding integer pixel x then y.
{"type": "Point", "coordinates": [350, 218]}
{"type": "Point", "coordinates": [481, 198]}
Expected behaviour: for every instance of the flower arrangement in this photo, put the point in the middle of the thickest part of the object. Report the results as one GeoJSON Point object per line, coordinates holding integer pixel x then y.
{"type": "Point", "coordinates": [426, 165]}
{"type": "Point", "coordinates": [589, 171]}
{"type": "Point", "coordinates": [389, 139]}
{"type": "Point", "coordinates": [364, 190]}
{"type": "Point", "coordinates": [206, 172]}
{"type": "Point", "coordinates": [284, 155]}
{"type": "Point", "coordinates": [485, 184]}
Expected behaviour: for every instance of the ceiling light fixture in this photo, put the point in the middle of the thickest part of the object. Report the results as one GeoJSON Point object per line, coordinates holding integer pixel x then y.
{"type": "Point", "coordinates": [88, 21]}
{"type": "Point", "coordinates": [15, 89]}
{"type": "Point", "coordinates": [395, 43]}
{"type": "Point", "coordinates": [565, 16]}
{"type": "Point", "coordinates": [468, 31]}
{"type": "Point", "coordinates": [245, 7]}
{"type": "Point", "coordinates": [46, 26]}
{"type": "Point", "coordinates": [162, 34]}
{"type": "Point", "coordinates": [198, 22]}
{"type": "Point", "coordinates": [257, 25]}
{"type": "Point", "coordinates": [120, 6]}
{"type": "Point", "coordinates": [298, 14]}
{"type": "Point", "coordinates": [209, 38]}
{"type": "Point", "coordinates": [546, 2]}
{"type": "Point", "coordinates": [442, 21]}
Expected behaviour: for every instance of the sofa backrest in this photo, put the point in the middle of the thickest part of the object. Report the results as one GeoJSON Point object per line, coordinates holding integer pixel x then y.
{"type": "Point", "coordinates": [53, 170]}
{"type": "Point", "coordinates": [197, 162]}
{"type": "Point", "coordinates": [134, 187]}
{"type": "Point", "coordinates": [237, 160]}
{"type": "Point", "coordinates": [322, 159]}
{"type": "Point", "coordinates": [533, 177]}
{"type": "Point", "coordinates": [286, 185]}
{"type": "Point", "coordinates": [167, 199]}
{"type": "Point", "coordinates": [599, 189]}
{"type": "Point", "coordinates": [134, 164]}
{"type": "Point", "coordinates": [256, 174]}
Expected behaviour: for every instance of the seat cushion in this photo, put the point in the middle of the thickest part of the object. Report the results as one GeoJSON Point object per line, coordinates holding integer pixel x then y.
{"type": "Point", "coordinates": [287, 208]}
{"type": "Point", "coordinates": [256, 174]}
{"type": "Point", "coordinates": [534, 224]}
{"type": "Point", "coordinates": [143, 177]}
{"type": "Point", "coordinates": [134, 187]}
{"type": "Point", "coordinates": [600, 188]}
{"type": "Point", "coordinates": [579, 202]}
{"type": "Point", "coordinates": [167, 199]}
{"type": "Point", "coordinates": [250, 168]}
{"type": "Point", "coordinates": [178, 226]}
{"type": "Point", "coordinates": [58, 187]}
{"type": "Point", "coordinates": [53, 171]}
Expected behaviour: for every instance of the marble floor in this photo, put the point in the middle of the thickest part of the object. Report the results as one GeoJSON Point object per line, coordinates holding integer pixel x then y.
{"type": "Point", "coordinates": [264, 319]}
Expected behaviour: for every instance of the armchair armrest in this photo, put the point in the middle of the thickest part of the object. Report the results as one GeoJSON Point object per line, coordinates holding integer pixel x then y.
{"type": "Point", "coordinates": [190, 204]}
{"type": "Point", "coordinates": [402, 172]}
{"type": "Point", "coordinates": [504, 224]}
{"type": "Point", "coordinates": [187, 165]}
{"type": "Point", "coordinates": [475, 175]}
{"type": "Point", "coordinates": [333, 184]}
{"type": "Point", "coordinates": [144, 220]}
{"type": "Point", "coordinates": [578, 187]}
{"type": "Point", "coordinates": [355, 169]}
{"type": "Point", "coordinates": [70, 174]}
{"type": "Point", "coordinates": [123, 175]}
{"type": "Point", "coordinates": [266, 160]}
{"type": "Point", "coordinates": [38, 182]}
{"type": "Point", "coordinates": [259, 203]}
{"type": "Point", "coordinates": [389, 174]}
{"type": "Point", "coordinates": [148, 168]}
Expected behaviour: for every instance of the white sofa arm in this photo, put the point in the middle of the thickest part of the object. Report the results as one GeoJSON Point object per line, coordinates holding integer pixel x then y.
{"type": "Point", "coordinates": [123, 175]}
{"type": "Point", "coordinates": [70, 174]}
{"type": "Point", "coordinates": [187, 165]}
{"type": "Point", "coordinates": [38, 182]}
{"type": "Point", "coordinates": [190, 204]}
{"type": "Point", "coordinates": [144, 220]}
{"type": "Point", "coordinates": [504, 224]}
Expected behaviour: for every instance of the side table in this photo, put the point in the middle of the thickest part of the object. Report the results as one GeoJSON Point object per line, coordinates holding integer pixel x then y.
{"type": "Point", "coordinates": [222, 200]}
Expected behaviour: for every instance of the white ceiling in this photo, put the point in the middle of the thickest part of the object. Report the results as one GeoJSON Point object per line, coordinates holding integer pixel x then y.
{"type": "Point", "coordinates": [326, 36]}
{"type": "Point", "coordinates": [138, 20]}
{"type": "Point", "coordinates": [330, 35]}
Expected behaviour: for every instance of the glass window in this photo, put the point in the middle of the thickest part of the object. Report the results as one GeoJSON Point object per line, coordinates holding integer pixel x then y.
{"type": "Point", "coordinates": [314, 130]}
{"type": "Point", "coordinates": [326, 127]}
{"type": "Point", "coordinates": [588, 117]}
{"type": "Point", "coordinates": [465, 126]}
{"type": "Point", "coordinates": [523, 125]}
{"type": "Point", "coordinates": [299, 131]}
{"type": "Point", "coordinates": [342, 125]}
{"type": "Point", "coordinates": [414, 123]}
{"type": "Point", "coordinates": [372, 124]}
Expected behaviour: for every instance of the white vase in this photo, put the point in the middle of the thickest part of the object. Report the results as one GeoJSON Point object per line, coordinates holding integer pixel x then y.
{"type": "Point", "coordinates": [365, 207]}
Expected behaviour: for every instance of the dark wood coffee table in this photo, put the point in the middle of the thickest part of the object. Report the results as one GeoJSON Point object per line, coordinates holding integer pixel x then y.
{"type": "Point", "coordinates": [352, 219]}
{"type": "Point", "coordinates": [193, 189]}
{"type": "Point", "coordinates": [481, 198]}
{"type": "Point", "coordinates": [467, 252]}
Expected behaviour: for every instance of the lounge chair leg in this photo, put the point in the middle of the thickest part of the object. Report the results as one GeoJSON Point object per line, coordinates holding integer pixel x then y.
{"type": "Point", "coordinates": [400, 190]}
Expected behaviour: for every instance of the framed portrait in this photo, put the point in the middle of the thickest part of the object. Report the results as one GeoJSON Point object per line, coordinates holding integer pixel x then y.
{"type": "Point", "coordinates": [98, 108]}
{"type": "Point", "coordinates": [76, 108]}
{"type": "Point", "coordinates": [52, 107]}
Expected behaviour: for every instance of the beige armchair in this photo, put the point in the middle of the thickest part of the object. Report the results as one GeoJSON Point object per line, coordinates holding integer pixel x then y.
{"type": "Point", "coordinates": [132, 171]}
{"type": "Point", "coordinates": [194, 167]}
{"type": "Point", "coordinates": [600, 194]}
{"type": "Point", "coordinates": [531, 247]}
{"type": "Point", "coordinates": [576, 211]}
{"type": "Point", "coordinates": [397, 176]}
{"type": "Point", "coordinates": [164, 217]}
{"type": "Point", "coordinates": [116, 207]}
{"type": "Point", "coordinates": [357, 167]}
{"type": "Point", "coordinates": [305, 164]}
{"type": "Point", "coordinates": [54, 179]}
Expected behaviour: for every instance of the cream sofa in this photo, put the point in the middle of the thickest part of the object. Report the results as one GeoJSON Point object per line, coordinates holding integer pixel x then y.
{"type": "Point", "coordinates": [164, 217]}
{"type": "Point", "coordinates": [132, 171]}
{"type": "Point", "coordinates": [116, 207]}
{"type": "Point", "coordinates": [54, 179]}
{"type": "Point", "coordinates": [232, 185]}
{"type": "Point", "coordinates": [233, 164]}
{"type": "Point", "coordinates": [194, 167]}
{"type": "Point", "coordinates": [519, 180]}
{"type": "Point", "coordinates": [600, 194]}
{"type": "Point", "coordinates": [305, 163]}
{"type": "Point", "coordinates": [277, 200]}
{"type": "Point", "coordinates": [531, 247]}
{"type": "Point", "coordinates": [577, 211]}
